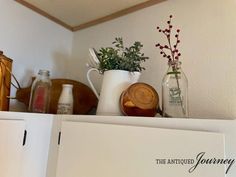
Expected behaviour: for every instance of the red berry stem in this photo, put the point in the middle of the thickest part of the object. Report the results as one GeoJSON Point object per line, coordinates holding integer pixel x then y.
{"type": "Point", "coordinates": [174, 52]}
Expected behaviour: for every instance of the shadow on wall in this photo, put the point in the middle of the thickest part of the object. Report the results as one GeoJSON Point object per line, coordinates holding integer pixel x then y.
{"type": "Point", "coordinates": [25, 81]}
{"type": "Point", "coordinates": [27, 77]}
{"type": "Point", "coordinates": [60, 65]}
{"type": "Point", "coordinates": [67, 67]}
{"type": "Point", "coordinates": [64, 66]}
{"type": "Point", "coordinates": [78, 71]}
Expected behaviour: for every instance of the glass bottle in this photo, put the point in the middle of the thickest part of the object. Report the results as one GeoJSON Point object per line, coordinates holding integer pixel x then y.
{"type": "Point", "coordinates": [65, 103]}
{"type": "Point", "coordinates": [175, 92]}
{"type": "Point", "coordinates": [40, 93]}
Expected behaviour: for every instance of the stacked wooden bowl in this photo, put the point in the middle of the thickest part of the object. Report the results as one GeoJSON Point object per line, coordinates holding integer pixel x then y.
{"type": "Point", "coordinates": [139, 99]}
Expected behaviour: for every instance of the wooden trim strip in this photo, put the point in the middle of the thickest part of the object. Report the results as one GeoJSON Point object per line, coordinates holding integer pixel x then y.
{"type": "Point", "coordinates": [117, 14]}
{"type": "Point", "coordinates": [45, 14]}
{"type": "Point", "coordinates": [93, 22]}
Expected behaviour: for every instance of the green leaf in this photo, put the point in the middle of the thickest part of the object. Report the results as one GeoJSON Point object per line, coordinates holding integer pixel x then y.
{"type": "Point", "coordinates": [120, 57]}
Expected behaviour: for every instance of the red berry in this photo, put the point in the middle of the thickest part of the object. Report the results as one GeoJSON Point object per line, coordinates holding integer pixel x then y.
{"type": "Point", "coordinates": [161, 47]}
{"type": "Point", "coordinates": [178, 41]}
{"type": "Point", "coordinates": [167, 31]}
{"type": "Point", "coordinates": [178, 30]}
{"type": "Point", "coordinates": [170, 26]}
{"type": "Point", "coordinates": [161, 52]}
{"type": "Point", "coordinates": [168, 22]}
{"type": "Point", "coordinates": [179, 54]}
{"type": "Point", "coordinates": [160, 30]}
{"type": "Point", "coordinates": [157, 45]}
{"type": "Point", "coordinates": [171, 16]}
{"type": "Point", "coordinates": [176, 35]}
{"type": "Point", "coordinates": [166, 46]}
{"type": "Point", "coordinates": [158, 27]}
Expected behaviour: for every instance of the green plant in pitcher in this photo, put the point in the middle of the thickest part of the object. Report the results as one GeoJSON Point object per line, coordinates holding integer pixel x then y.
{"type": "Point", "coordinates": [120, 57]}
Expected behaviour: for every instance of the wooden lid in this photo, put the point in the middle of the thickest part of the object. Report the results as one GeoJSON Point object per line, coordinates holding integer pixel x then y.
{"type": "Point", "coordinates": [143, 96]}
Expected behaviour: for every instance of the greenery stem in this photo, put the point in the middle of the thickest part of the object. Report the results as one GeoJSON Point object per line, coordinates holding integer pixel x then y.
{"type": "Point", "coordinates": [177, 81]}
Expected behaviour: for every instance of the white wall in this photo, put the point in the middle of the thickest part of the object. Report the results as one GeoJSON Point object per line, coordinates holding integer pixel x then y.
{"type": "Point", "coordinates": [208, 45]}
{"type": "Point", "coordinates": [33, 42]}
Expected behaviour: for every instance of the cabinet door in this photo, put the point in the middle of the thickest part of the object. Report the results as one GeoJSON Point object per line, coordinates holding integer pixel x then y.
{"type": "Point", "coordinates": [11, 139]}
{"type": "Point", "coordinates": [105, 150]}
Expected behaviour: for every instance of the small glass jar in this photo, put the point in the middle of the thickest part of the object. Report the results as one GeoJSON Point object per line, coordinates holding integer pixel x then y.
{"type": "Point", "coordinates": [175, 92]}
{"type": "Point", "coordinates": [40, 93]}
{"type": "Point", "coordinates": [65, 103]}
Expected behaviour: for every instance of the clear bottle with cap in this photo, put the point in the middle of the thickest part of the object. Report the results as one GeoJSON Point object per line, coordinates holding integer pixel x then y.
{"type": "Point", "coordinates": [40, 93]}
{"type": "Point", "coordinates": [65, 103]}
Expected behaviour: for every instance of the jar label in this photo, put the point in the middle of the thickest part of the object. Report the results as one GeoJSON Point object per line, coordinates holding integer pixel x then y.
{"type": "Point", "coordinates": [39, 102]}
{"type": "Point", "coordinates": [175, 96]}
{"type": "Point", "coordinates": [65, 108]}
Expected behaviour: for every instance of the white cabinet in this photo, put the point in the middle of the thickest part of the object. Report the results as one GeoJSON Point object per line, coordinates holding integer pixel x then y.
{"type": "Point", "coordinates": [102, 145]}
{"type": "Point", "coordinates": [70, 140]}
{"type": "Point", "coordinates": [11, 147]}
{"type": "Point", "coordinates": [95, 150]}
{"type": "Point", "coordinates": [32, 158]}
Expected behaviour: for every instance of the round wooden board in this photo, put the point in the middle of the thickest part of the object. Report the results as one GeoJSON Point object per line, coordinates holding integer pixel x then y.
{"type": "Point", "coordinates": [84, 98]}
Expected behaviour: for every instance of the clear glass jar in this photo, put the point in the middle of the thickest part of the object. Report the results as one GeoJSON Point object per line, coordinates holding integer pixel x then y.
{"type": "Point", "coordinates": [40, 93]}
{"type": "Point", "coordinates": [175, 92]}
{"type": "Point", "coordinates": [65, 103]}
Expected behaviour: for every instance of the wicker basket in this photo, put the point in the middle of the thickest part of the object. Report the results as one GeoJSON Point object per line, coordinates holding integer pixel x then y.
{"type": "Point", "coordinates": [5, 81]}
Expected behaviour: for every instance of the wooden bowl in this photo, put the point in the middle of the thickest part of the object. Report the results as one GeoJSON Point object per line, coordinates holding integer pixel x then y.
{"type": "Point", "coordinates": [139, 99]}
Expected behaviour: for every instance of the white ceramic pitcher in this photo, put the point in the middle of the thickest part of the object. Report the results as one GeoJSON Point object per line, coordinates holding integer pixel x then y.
{"type": "Point", "coordinates": [114, 83]}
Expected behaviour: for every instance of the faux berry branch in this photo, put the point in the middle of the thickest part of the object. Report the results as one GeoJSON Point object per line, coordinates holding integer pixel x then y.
{"type": "Point", "coordinates": [172, 53]}
{"type": "Point", "coordinates": [168, 51]}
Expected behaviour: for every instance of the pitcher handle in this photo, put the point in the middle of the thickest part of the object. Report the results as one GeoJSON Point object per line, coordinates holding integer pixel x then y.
{"type": "Point", "coordinates": [90, 82]}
